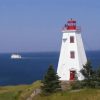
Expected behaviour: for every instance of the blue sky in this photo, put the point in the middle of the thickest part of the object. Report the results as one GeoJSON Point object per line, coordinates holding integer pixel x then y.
{"type": "Point", "coordinates": [35, 25]}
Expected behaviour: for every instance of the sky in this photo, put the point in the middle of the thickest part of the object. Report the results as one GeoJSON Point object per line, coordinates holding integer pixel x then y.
{"type": "Point", "coordinates": [35, 25]}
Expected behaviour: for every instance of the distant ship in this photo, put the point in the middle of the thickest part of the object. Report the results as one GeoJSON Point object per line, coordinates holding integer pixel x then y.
{"type": "Point", "coordinates": [16, 56]}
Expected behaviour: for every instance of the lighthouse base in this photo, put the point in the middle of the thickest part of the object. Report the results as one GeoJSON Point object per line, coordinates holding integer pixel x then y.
{"type": "Point", "coordinates": [71, 75]}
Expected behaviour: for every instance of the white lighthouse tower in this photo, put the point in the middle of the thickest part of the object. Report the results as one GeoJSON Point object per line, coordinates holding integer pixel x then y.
{"type": "Point", "coordinates": [72, 54]}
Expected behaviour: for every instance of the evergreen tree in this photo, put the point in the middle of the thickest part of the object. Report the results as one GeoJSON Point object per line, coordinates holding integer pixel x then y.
{"type": "Point", "coordinates": [98, 72]}
{"type": "Point", "coordinates": [50, 81]}
{"type": "Point", "coordinates": [89, 75]}
{"type": "Point", "coordinates": [87, 70]}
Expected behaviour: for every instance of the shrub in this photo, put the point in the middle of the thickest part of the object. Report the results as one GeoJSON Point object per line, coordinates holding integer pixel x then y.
{"type": "Point", "coordinates": [76, 85]}
{"type": "Point", "coordinates": [50, 81]}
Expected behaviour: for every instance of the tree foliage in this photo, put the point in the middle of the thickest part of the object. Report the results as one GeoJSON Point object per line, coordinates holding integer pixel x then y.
{"type": "Point", "coordinates": [92, 77]}
{"type": "Point", "coordinates": [87, 70]}
{"type": "Point", "coordinates": [50, 81]}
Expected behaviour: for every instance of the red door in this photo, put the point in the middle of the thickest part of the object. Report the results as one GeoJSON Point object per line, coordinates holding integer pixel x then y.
{"type": "Point", "coordinates": [72, 75]}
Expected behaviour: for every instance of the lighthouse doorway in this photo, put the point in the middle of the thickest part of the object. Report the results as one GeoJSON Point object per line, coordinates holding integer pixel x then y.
{"type": "Point", "coordinates": [72, 75]}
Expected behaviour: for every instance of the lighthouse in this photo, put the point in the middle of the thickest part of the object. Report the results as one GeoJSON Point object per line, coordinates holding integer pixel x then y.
{"type": "Point", "coordinates": [72, 54]}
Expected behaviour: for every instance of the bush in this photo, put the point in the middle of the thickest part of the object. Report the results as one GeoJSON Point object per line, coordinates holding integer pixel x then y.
{"type": "Point", "coordinates": [50, 82]}
{"type": "Point", "coordinates": [76, 85]}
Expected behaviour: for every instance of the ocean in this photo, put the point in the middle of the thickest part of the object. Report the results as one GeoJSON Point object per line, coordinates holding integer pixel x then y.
{"type": "Point", "coordinates": [33, 66]}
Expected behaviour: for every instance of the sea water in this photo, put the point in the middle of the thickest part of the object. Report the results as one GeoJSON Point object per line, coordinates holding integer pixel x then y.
{"type": "Point", "coordinates": [33, 66]}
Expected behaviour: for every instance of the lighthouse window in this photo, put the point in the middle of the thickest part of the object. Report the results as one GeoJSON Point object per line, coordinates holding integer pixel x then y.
{"type": "Point", "coordinates": [72, 54]}
{"type": "Point", "coordinates": [71, 39]}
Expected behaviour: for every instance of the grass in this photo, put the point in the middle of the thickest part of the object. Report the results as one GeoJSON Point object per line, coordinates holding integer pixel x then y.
{"type": "Point", "coordinates": [86, 94]}
{"type": "Point", "coordinates": [19, 92]}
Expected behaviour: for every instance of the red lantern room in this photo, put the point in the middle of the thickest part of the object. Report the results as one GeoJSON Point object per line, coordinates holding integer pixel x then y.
{"type": "Point", "coordinates": [71, 25]}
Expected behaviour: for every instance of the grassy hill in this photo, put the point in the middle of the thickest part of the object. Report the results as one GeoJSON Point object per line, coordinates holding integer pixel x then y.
{"type": "Point", "coordinates": [85, 94]}
{"type": "Point", "coordinates": [21, 92]}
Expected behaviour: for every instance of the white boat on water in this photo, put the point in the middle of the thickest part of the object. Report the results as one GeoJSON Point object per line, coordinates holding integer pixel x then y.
{"type": "Point", "coordinates": [16, 56]}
